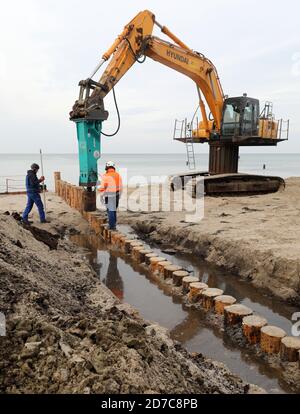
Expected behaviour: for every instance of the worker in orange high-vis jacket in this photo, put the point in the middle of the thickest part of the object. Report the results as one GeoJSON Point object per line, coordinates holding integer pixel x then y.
{"type": "Point", "coordinates": [111, 189]}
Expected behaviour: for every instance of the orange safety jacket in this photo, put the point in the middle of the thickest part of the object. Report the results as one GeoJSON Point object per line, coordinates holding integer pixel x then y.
{"type": "Point", "coordinates": [111, 182]}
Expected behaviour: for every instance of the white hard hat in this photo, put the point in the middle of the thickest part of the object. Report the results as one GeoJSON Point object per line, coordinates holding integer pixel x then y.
{"type": "Point", "coordinates": [110, 164]}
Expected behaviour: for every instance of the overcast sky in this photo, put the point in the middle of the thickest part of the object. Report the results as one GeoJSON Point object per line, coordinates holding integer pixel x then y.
{"type": "Point", "coordinates": [47, 46]}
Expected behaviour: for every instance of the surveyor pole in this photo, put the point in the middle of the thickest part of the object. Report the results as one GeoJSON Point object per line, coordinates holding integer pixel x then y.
{"type": "Point", "coordinates": [43, 187]}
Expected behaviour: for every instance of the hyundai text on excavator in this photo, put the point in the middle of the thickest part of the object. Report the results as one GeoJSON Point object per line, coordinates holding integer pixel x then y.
{"type": "Point", "coordinates": [233, 122]}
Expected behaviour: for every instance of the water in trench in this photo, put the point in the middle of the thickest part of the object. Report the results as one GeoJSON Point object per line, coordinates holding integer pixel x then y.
{"type": "Point", "coordinates": [133, 284]}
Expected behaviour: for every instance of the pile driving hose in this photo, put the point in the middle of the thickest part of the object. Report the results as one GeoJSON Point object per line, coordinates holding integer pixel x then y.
{"type": "Point", "coordinates": [119, 117]}
{"type": "Point", "coordinates": [115, 100]}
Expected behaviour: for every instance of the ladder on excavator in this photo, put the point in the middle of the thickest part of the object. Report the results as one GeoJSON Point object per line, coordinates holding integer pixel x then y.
{"type": "Point", "coordinates": [183, 130]}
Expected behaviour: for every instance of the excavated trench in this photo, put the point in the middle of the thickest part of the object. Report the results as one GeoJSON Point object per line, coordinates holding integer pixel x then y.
{"type": "Point", "coordinates": [155, 300]}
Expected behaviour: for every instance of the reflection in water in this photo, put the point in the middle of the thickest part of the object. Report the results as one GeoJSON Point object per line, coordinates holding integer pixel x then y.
{"type": "Point", "coordinates": [103, 262]}
{"type": "Point", "coordinates": [113, 279]}
{"type": "Point", "coordinates": [154, 300]}
{"type": "Point", "coordinates": [187, 329]}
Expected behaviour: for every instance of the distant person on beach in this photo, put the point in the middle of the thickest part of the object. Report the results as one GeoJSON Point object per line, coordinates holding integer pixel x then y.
{"type": "Point", "coordinates": [33, 190]}
{"type": "Point", "coordinates": [111, 188]}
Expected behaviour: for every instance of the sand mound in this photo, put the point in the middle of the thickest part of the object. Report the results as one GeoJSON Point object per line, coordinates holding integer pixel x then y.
{"type": "Point", "coordinates": [66, 333]}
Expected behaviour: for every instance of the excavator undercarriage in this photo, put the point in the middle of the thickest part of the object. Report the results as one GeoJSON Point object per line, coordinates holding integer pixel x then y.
{"type": "Point", "coordinates": [226, 184]}
{"type": "Point", "coordinates": [223, 176]}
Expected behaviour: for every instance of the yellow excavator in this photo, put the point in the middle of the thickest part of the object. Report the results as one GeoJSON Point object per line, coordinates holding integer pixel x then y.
{"type": "Point", "coordinates": [232, 121]}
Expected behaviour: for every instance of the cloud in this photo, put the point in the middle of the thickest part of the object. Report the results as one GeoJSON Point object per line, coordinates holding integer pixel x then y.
{"type": "Point", "coordinates": [51, 44]}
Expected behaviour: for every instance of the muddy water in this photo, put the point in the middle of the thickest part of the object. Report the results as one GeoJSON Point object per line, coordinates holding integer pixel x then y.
{"type": "Point", "coordinates": [133, 284]}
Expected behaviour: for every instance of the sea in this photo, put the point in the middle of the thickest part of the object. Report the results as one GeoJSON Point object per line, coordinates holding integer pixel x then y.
{"type": "Point", "coordinates": [136, 168]}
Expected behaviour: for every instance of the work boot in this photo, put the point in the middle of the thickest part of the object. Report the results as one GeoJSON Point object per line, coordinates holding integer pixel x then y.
{"type": "Point", "coordinates": [45, 221]}
{"type": "Point", "coordinates": [27, 222]}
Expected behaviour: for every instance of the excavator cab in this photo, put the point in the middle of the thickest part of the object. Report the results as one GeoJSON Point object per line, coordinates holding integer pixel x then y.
{"type": "Point", "coordinates": [240, 117]}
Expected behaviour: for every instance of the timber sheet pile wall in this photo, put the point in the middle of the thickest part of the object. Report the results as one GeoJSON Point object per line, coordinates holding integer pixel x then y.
{"type": "Point", "coordinates": [72, 194]}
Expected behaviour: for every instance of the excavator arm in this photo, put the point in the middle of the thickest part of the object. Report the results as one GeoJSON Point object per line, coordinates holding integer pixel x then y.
{"type": "Point", "coordinates": [135, 41]}
{"type": "Point", "coordinates": [125, 51]}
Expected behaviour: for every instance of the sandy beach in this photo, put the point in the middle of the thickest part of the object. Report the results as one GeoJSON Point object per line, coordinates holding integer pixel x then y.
{"type": "Point", "coordinates": [149, 204]}
{"type": "Point", "coordinates": [67, 333]}
{"type": "Point", "coordinates": [58, 310]}
{"type": "Point", "coordinates": [255, 237]}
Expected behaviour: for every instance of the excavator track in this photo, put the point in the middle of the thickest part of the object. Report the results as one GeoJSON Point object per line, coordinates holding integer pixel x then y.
{"type": "Point", "coordinates": [228, 184]}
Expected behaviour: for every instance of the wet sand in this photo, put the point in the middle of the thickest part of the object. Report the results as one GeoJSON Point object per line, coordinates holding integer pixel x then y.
{"type": "Point", "coordinates": [67, 333]}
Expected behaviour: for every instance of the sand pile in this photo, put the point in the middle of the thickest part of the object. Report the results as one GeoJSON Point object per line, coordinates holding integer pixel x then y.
{"type": "Point", "coordinates": [66, 333]}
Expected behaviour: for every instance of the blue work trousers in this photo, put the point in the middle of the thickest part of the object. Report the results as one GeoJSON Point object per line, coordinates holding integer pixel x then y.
{"type": "Point", "coordinates": [34, 198]}
{"type": "Point", "coordinates": [112, 203]}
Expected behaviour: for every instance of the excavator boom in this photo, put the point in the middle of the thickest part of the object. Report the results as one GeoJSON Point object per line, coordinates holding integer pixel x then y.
{"type": "Point", "coordinates": [194, 65]}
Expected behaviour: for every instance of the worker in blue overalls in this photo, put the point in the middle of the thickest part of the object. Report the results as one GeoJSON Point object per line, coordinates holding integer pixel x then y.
{"type": "Point", "coordinates": [33, 194]}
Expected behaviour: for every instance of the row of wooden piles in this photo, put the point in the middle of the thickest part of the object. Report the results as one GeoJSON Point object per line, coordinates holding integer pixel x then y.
{"type": "Point", "coordinates": [271, 339]}
{"type": "Point", "coordinates": [256, 330]}
{"type": "Point", "coordinates": [75, 196]}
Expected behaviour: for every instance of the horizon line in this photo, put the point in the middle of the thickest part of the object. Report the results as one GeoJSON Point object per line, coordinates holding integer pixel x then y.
{"type": "Point", "coordinates": [144, 153]}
